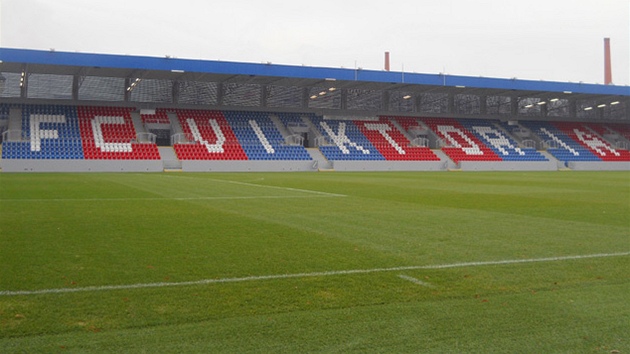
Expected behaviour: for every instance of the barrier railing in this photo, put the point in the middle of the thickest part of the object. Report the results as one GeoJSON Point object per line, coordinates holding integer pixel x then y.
{"type": "Point", "coordinates": [419, 142]}
{"type": "Point", "coordinates": [528, 143]}
{"type": "Point", "coordinates": [182, 138]}
{"type": "Point", "coordinates": [145, 138]}
{"type": "Point", "coordinates": [294, 139]}
{"type": "Point", "coordinates": [12, 136]}
{"type": "Point", "coordinates": [550, 144]}
{"type": "Point", "coordinates": [323, 141]}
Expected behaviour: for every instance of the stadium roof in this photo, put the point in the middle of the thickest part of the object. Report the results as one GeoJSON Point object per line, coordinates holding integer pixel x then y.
{"type": "Point", "coordinates": [175, 69]}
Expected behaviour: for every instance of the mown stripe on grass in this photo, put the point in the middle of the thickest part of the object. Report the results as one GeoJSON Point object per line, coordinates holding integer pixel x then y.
{"type": "Point", "coordinates": [164, 198]}
{"type": "Point", "coordinates": [305, 275]}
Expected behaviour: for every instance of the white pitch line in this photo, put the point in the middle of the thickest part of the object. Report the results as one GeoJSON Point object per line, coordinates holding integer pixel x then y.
{"type": "Point", "coordinates": [303, 275]}
{"type": "Point", "coordinates": [281, 188]}
{"type": "Point", "coordinates": [265, 186]}
{"type": "Point", "coordinates": [416, 281]}
{"type": "Point", "coordinates": [161, 198]}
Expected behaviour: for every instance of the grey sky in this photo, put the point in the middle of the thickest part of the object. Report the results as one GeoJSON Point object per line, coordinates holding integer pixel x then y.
{"type": "Point", "coordinates": [554, 40]}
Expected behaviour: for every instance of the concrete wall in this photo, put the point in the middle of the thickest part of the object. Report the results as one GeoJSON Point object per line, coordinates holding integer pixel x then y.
{"type": "Point", "coordinates": [248, 166]}
{"type": "Point", "coordinates": [27, 165]}
{"type": "Point", "coordinates": [508, 165]}
{"type": "Point", "coordinates": [599, 166]}
{"type": "Point", "coordinates": [389, 165]}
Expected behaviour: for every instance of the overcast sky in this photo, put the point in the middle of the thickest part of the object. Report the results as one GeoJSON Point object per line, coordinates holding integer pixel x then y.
{"type": "Point", "coordinates": [553, 40]}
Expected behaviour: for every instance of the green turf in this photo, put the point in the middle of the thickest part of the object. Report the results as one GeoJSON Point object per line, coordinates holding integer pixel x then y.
{"type": "Point", "coordinates": [77, 231]}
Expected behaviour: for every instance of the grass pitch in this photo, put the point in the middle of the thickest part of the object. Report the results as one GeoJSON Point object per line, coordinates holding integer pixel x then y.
{"type": "Point", "coordinates": [315, 262]}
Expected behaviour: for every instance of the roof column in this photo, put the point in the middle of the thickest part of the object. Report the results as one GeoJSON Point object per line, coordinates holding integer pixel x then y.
{"type": "Point", "coordinates": [572, 108]}
{"type": "Point", "coordinates": [305, 97]}
{"type": "Point", "coordinates": [24, 82]}
{"type": "Point", "coordinates": [175, 91]}
{"type": "Point", "coordinates": [264, 94]}
{"type": "Point", "coordinates": [514, 106]}
{"type": "Point", "coordinates": [544, 110]}
{"type": "Point", "coordinates": [386, 96]}
{"type": "Point", "coordinates": [483, 104]}
{"type": "Point", "coordinates": [220, 93]}
{"type": "Point", "coordinates": [127, 96]}
{"type": "Point", "coordinates": [417, 103]}
{"type": "Point", "coordinates": [76, 82]}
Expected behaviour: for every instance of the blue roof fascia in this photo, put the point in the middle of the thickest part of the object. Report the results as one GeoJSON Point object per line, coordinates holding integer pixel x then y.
{"type": "Point", "coordinates": [30, 56]}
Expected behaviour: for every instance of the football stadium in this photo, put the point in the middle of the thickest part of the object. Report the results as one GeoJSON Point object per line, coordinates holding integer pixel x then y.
{"type": "Point", "coordinates": [166, 205]}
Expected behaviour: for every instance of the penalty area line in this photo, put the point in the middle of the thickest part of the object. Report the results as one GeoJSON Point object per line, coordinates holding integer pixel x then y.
{"type": "Point", "coordinates": [306, 275]}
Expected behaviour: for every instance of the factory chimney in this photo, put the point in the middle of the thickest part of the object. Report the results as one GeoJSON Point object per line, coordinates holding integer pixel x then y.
{"type": "Point", "coordinates": [607, 66]}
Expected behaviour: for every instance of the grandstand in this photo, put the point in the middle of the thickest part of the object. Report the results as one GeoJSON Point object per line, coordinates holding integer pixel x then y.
{"type": "Point", "coordinates": [91, 112]}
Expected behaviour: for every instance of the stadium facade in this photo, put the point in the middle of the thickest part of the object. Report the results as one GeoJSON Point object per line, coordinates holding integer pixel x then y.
{"type": "Point", "coordinates": [64, 111]}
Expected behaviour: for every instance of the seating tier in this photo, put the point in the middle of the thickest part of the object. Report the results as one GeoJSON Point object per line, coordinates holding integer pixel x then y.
{"type": "Point", "coordinates": [391, 142]}
{"type": "Point", "coordinates": [346, 141]}
{"type": "Point", "coordinates": [108, 133]}
{"type": "Point", "coordinates": [261, 139]}
{"type": "Point", "coordinates": [462, 145]}
{"type": "Point", "coordinates": [499, 142]}
{"type": "Point", "coordinates": [93, 133]}
{"type": "Point", "coordinates": [589, 139]}
{"type": "Point", "coordinates": [210, 137]}
{"type": "Point", "coordinates": [48, 132]}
